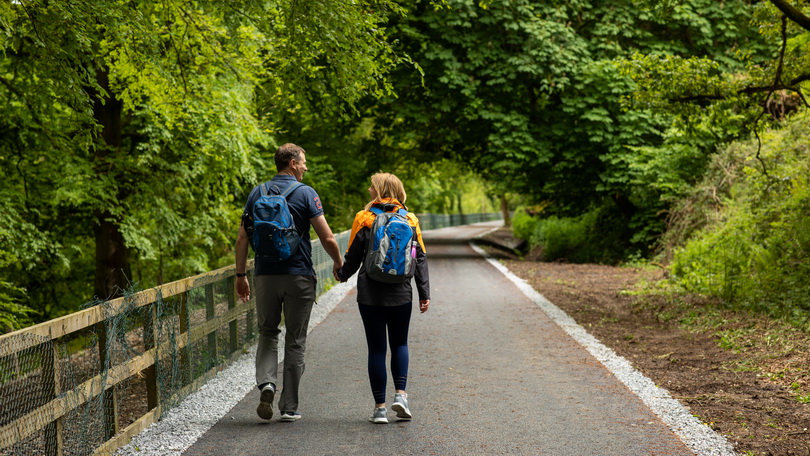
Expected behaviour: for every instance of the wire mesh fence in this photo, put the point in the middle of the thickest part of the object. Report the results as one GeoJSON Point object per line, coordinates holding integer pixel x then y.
{"type": "Point", "coordinates": [323, 264]}
{"type": "Point", "coordinates": [71, 385]}
{"type": "Point", "coordinates": [85, 383]}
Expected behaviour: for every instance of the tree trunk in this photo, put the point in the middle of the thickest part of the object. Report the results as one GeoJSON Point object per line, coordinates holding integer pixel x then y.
{"type": "Point", "coordinates": [112, 256]}
{"type": "Point", "coordinates": [626, 207]}
{"type": "Point", "coordinates": [460, 210]}
{"type": "Point", "coordinates": [507, 221]}
{"type": "Point", "coordinates": [112, 260]}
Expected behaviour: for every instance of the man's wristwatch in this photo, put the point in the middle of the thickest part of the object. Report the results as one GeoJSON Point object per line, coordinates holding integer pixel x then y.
{"type": "Point", "coordinates": [241, 274]}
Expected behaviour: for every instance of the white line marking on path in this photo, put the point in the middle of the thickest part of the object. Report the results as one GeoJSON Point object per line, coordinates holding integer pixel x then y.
{"type": "Point", "coordinates": [700, 438]}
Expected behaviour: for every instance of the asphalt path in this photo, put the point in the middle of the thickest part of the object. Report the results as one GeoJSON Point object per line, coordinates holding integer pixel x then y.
{"type": "Point", "coordinates": [490, 373]}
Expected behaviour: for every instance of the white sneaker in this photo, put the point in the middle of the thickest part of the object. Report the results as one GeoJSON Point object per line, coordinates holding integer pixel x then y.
{"type": "Point", "coordinates": [290, 416]}
{"type": "Point", "coordinates": [380, 415]}
{"type": "Point", "coordinates": [400, 406]}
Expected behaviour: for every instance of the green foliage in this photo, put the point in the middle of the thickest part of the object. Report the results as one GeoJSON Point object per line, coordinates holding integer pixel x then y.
{"type": "Point", "coordinates": [443, 187]}
{"type": "Point", "coordinates": [156, 119]}
{"type": "Point", "coordinates": [705, 98]}
{"type": "Point", "coordinates": [598, 236]}
{"type": "Point", "coordinates": [344, 152]}
{"type": "Point", "coordinates": [754, 248]}
{"type": "Point", "coordinates": [523, 224]}
{"type": "Point", "coordinates": [727, 94]}
{"type": "Point", "coordinates": [22, 249]}
{"type": "Point", "coordinates": [563, 238]}
{"type": "Point", "coordinates": [531, 95]}
{"type": "Point", "coordinates": [13, 314]}
{"type": "Point", "coordinates": [152, 121]}
{"type": "Point", "coordinates": [142, 121]}
{"type": "Point", "coordinates": [802, 398]}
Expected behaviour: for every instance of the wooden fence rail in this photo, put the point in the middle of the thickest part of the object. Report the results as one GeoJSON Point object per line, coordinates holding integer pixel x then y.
{"type": "Point", "coordinates": [44, 338]}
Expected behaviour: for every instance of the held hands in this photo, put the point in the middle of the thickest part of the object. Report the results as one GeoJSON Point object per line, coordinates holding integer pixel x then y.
{"type": "Point", "coordinates": [335, 268]}
{"type": "Point", "coordinates": [423, 305]}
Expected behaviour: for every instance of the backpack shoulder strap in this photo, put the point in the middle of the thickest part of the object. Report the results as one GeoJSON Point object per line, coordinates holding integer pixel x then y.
{"type": "Point", "coordinates": [291, 188]}
{"type": "Point", "coordinates": [266, 189]}
{"type": "Point", "coordinates": [376, 210]}
{"type": "Point", "coordinates": [403, 212]}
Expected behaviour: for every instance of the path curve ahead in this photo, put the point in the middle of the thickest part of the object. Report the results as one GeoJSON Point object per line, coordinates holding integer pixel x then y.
{"type": "Point", "coordinates": [490, 373]}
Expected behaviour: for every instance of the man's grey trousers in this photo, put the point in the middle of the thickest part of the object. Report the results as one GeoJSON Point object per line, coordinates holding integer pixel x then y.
{"type": "Point", "coordinates": [293, 295]}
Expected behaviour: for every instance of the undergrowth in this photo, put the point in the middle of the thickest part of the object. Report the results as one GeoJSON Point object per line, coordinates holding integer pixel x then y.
{"type": "Point", "coordinates": [748, 244]}
{"type": "Point", "coordinates": [775, 348]}
{"type": "Point", "coordinates": [597, 236]}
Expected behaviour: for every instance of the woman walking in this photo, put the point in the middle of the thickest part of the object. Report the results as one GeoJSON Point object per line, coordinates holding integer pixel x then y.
{"type": "Point", "coordinates": [386, 307]}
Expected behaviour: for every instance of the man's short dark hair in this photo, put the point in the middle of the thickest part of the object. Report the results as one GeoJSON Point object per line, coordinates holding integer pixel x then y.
{"type": "Point", "coordinates": [288, 152]}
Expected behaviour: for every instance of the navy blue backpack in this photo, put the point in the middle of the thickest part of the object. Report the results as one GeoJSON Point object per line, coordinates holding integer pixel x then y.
{"type": "Point", "coordinates": [275, 237]}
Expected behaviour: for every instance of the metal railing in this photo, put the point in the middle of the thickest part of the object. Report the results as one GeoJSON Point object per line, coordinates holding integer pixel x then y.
{"type": "Point", "coordinates": [436, 221]}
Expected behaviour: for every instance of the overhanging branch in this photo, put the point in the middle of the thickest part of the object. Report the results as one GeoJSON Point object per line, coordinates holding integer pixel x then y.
{"type": "Point", "coordinates": [744, 91]}
{"type": "Point", "coordinates": [777, 84]}
{"type": "Point", "coordinates": [792, 13]}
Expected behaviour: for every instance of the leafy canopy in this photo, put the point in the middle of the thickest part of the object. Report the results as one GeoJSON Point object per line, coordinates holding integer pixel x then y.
{"type": "Point", "coordinates": [151, 119]}
{"type": "Point", "coordinates": [531, 96]}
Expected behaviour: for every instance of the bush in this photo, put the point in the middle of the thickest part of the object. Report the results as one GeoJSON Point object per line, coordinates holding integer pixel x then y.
{"type": "Point", "coordinates": [598, 236]}
{"type": "Point", "coordinates": [754, 250]}
{"type": "Point", "coordinates": [523, 224]}
{"type": "Point", "coordinates": [563, 238]}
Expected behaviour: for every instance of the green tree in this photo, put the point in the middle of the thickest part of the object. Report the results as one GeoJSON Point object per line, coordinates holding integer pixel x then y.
{"type": "Point", "coordinates": [764, 85]}
{"type": "Point", "coordinates": [129, 130]}
{"type": "Point", "coordinates": [528, 94]}
{"type": "Point", "coordinates": [715, 101]}
{"type": "Point", "coordinates": [746, 235]}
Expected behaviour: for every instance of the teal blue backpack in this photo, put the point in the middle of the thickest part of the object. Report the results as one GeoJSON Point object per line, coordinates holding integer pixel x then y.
{"type": "Point", "coordinates": [391, 251]}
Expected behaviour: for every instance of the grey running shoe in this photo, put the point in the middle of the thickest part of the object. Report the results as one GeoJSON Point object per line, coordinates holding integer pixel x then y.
{"type": "Point", "coordinates": [290, 416]}
{"type": "Point", "coordinates": [265, 408]}
{"type": "Point", "coordinates": [379, 416]}
{"type": "Point", "coordinates": [400, 406]}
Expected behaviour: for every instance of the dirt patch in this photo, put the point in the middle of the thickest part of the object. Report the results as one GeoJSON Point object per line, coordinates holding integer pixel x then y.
{"type": "Point", "coordinates": [743, 375]}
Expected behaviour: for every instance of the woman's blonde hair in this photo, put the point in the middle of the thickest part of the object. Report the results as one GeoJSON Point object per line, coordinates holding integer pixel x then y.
{"type": "Point", "coordinates": [386, 185]}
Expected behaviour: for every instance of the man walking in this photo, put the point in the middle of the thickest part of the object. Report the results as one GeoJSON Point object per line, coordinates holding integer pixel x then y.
{"type": "Point", "coordinates": [286, 286]}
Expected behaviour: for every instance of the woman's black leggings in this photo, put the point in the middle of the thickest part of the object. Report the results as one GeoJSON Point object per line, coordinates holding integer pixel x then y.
{"type": "Point", "coordinates": [396, 319]}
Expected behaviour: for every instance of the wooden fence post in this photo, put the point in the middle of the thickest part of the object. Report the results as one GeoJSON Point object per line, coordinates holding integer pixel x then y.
{"type": "Point", "coordinates": [109, 399]}
{"type": "Point", "coordinates": [186, 374]}
{"type": "Point", "coordinates": [149, 337]}
{"type": "Point", "coordinates": [51, 386]}
{"type": "Point", "coordinates": [210, 313]}
{"type": "Point", "coordinates": [233, 327]}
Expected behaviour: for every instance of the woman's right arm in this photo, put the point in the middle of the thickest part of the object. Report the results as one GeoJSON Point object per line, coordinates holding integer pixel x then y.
{"type": "Point", "coordinates": [354, 255]}
{"type": "Point", "coordinates": [422, 275]}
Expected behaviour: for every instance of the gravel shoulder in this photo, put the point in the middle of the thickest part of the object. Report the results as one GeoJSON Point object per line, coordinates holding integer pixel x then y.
{"type": "Point", "coordinates": [743, 375]}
